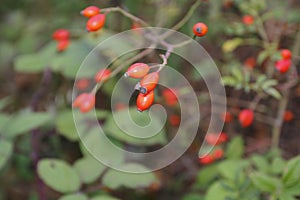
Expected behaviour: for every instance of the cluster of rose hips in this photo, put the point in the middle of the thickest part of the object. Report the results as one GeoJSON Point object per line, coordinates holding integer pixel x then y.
{"type": "Point", "coordinates": [62, 36]}
{"type": "Point", "coordinates": [215, 140]}
{"type": "Point", "coordinates": [284, 64]}
{"type": "Point", "coordinates": [96, 19]}
{"type": "Point", "coordinates": [145, 86]}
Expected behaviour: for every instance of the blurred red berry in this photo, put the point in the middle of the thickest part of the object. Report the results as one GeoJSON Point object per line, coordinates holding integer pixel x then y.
{"type": "Point", "coordinates": [174, 120]}
{"type": "Point", "coordinates": [207, 159]}
{"type": "Point", "coordinates": [216, 139]}
{"type": "Point", "coordinates": [218, 153]}
{"type": "Point", "coordinates": [288, 116]}
{"type": "Point", "coordinates": [102, 75]}
{"type": "Point", "coordinates": [120, 106]}
{"type": "Point", "coordinates": [61, 34]}
{"type": "Point", "coordinates": [250, 62]}
{"type": "Point", "coordinates": [62, 45]}
{"type": "Point", "coordinates": [286, 54]}
{"type": "Point", "coordinates": [144, 101]}
{"type": "Point", "coordinates": [283, 65]}
{"type": "Point", "coordinates": [88, 103]}
{"type": "Point", "coordinates": [246, 117]}
{"type": "Point", "coordinates": [200, 29]}
{"type": "Point", "coordinates": [95, 23]}
{"type": "Point", "coordinates": [78, 100]}
{"type": "Point", "coordinates": [82, 84]}
{"type": "Point", "coordinates": [248, 19]}
{"type": "Point", "coordinates": [169, 96]}
{"type": "Point", "coordinates": [227, 117]}
{"type": "Point", "coordinates": [137, 70]}
{"type": "Point", "coordinates": [149, 82]}
{"type": "Point", "coordinates": [90, 11]}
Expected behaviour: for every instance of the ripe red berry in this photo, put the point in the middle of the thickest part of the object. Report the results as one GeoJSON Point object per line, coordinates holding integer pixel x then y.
{"type": "Point", "coordinates": [200, 29]}
{"type": "Point", "coordinates": [61, 34]}
{"type": "Point", "coordinates": [246, 117]}
{"type": "Point", "coordinates": [137, 70]}
{"type": "Point", "coordinates": [250, 62]}
{"type": "Point", "coordinates": [82, 84]}
{"type": "Point", "coordinates": [216, 139]}
{"type": "Point", "coordinates": [248, 19]}
{"type": "Point", "coordinates": [207, 159]}
{"type": "Point", "coordinates": [227, 117]}
{"type": "Point", "coordinates": [144, 101]}
{"type": "Point", "coordinates": [283, 65]}
{"type": "Point", "coordinates": [102, 75]}
{"type": "Point", "coordinates": [88, 103]}
{"type": "Point", "coordinates": [85, 102]}
{"type": "Point", "coordinates": [90, 11]}
{"type": "Point", "coordinates": [78, 100]}
{"type": "Point", "coordinates": [149, 82]}
{"type": "Point", "coordinates": [95, 23]}
{"type": "Point", "coordinates": [286, 54]}
{"type": "Point", "coordinates": [288, 116]}
{"type": "Point", "coordinates": [218, 153]}
{"type": "Point", "coordinates": [62, 45]}
{"type": "Point", "coordinates": [169, 96]}
{"type": "Point", "coordinates": [174, 120]}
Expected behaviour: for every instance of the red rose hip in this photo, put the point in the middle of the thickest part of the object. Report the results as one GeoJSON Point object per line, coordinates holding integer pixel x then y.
{"type": "Point", "coordinates": [95, 23]}
{"type": "Point", "coordinates": [246, 117]}
{"type": "Point", "coordinates": [137, 70]}
{"type": "Point", "coordinates": [144, 101]}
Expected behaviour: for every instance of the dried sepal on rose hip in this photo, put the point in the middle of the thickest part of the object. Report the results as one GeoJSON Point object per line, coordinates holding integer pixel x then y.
{"type": "Point", "coordinates": [137, 70]}
{"type": "Point", "coordinates": [149, 82]}
{"type": "Point", "coordinates": [144, 101]}
{"type": "Point", "coordinates": [95, 23]}
{"type": "Point", "coordinates": [200, 29]}
{"type": "Point", "coordinates": [90, 11]}
{"type": "Point", "coordinates": [102, 75]}
{"type": "Point", "coordinates": [246, 117]}
{"type": "Point", "coordinates": [85, 102]}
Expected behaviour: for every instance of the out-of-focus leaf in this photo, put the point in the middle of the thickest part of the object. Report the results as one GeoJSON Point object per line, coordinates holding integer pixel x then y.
{"type": "Point", "coordinates": [104, 197]}
{"type": "Point", "coordinates": [74, 197]}
{"type": "Point", "coordinates": [114, 179]}
{"type": "Point", "coordinates": [231, 45]}
{"type": "Point", "coordinates": [291, 173]}
{"type": "Point", "coordinates": [264, 182]}
{"type": "Point", "coordinates": [58, 175]}
{"type": "Point", "coordinates": [6, 148]}
{"type": "Point", "coordinates": [274, 93]}
{"type": "Point", "coordinates": [235, 149]}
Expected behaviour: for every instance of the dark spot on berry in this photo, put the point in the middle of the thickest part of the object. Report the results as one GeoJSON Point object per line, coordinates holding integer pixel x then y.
{"type": "Point", "coordinates": [143, 90]}
{"type": "Point", "coordinates": [199, 30]}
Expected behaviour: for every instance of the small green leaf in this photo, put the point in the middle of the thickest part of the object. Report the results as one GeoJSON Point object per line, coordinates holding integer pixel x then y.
{"type": "Point", "coordinates": [291, 173]}
{"type": "Point", "coordinates": [88, 169]}
{"type": "Point", "coordinates": [260, 163]}
{"type": "Point", "coordinates": [74, 197]}
{"type": "Point", "coordinates": [115, 179]}
{"type": "Point", "coordinates": [193, 196]}
{"type": "Point", "coordinates": [6, 148]}
{"type": "Point", "coordinates": [238, 74]}
{"type": "Point", "coordinates": [262, 56]}
{"type": "Point", "coordinates": [59, 175]}
{"type": "Point", "coordinates": [286, 196]}
{"type": "Point", "coordinates": [233, 170]}
{"type": "Point", "coordinates": [274, 93]}
{"type": "Point", "coordinates": [218, 192]}
{"type": "Point", "coordinates": [231, 45]}
{"type": "Point", "coordinates": [25, 121]}
{"type": "Point", "coordinates": [293, 190]}
{"type": "Point", "coordinates": [277, 165]}
{"type": "Point", "coordinates": [104, 197]}
{"type": "Point", "coordinates": [235, 149]}
{"type": "Point", "coordinates": [264, 182]}
{"type": "Point", "coordinates": [229, 81]}
{"type": "Point", "coordinates": [269, 83]}
{"type": "Point", "coordinates": [206, 176]}
{"type": "Point", "coordinates": [65, 125]}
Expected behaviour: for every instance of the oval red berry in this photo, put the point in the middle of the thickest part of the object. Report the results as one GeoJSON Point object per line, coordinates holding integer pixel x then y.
{"type": "Point", "coordinates": [200, 29]}
{"type": "Point", "coordinates": [137, 70]}
{"type": "Point", "coordinates": [144, 101]}
{"type": "Point", "coordinates": [95, 23]}
{"type": "Point", "coordinates": [90, 11]}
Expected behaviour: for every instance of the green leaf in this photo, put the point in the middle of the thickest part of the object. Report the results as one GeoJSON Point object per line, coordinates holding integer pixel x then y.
{"type": "Point", "coordinates": [264, 182]}
{"type": "Point", "coordinates": [229, 81]}
{"type": "Point", "coordinates": [269, 83]}
{"type": "Point", "coordinates": [235, 149]}
{"type": "Point", "coordinates": [291, 173]}
{"type": "Point", "coordinates": [218, 192]}
{"type": "Point", "coordinates": [4, 119]}
{"type": "Point", "coordinates": [88, 169]}
{"type": "Point", "coordinates": [260, 163]}
{"type": "Point", "coordinates": [6, 148]}
{"type": "Point", "coordinates": [206, 176]}
{"type": "Point", "coordinates": [286, 196]}
{"type": "Point", "coordinates": [133, 125]}
{"type": "Point", "coordinates": [278, 165]}
{"type": "Point", "coordinates": [65, 125]}
{"type": "Point", "coordinates": [59, 175]}
{"type": "Point", "coordinates": [193, 197]}
{"type": "Point", "coordinates": [233, 170]}
{"type": "Point", "coordinates": [4, 102]}
{"type": "Point", "coordinates": [104, 197]}
{"type": "Point", "coordinates": [115, 179]}
{"type": "Point", "coordinates": [293, 190]}
{"type": "Point", "coordinates": [262, 56]}
{"type": "Point", "coordinates": [274, 93]}
{"type": "Point", "coordinates": [231, 45]}
{"type": "Point", "coordinates": [74, 197]}
{"type": "Point", "coordinates": [25, 121]}
{"type": "Point", "coordinates": [238, 74]}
